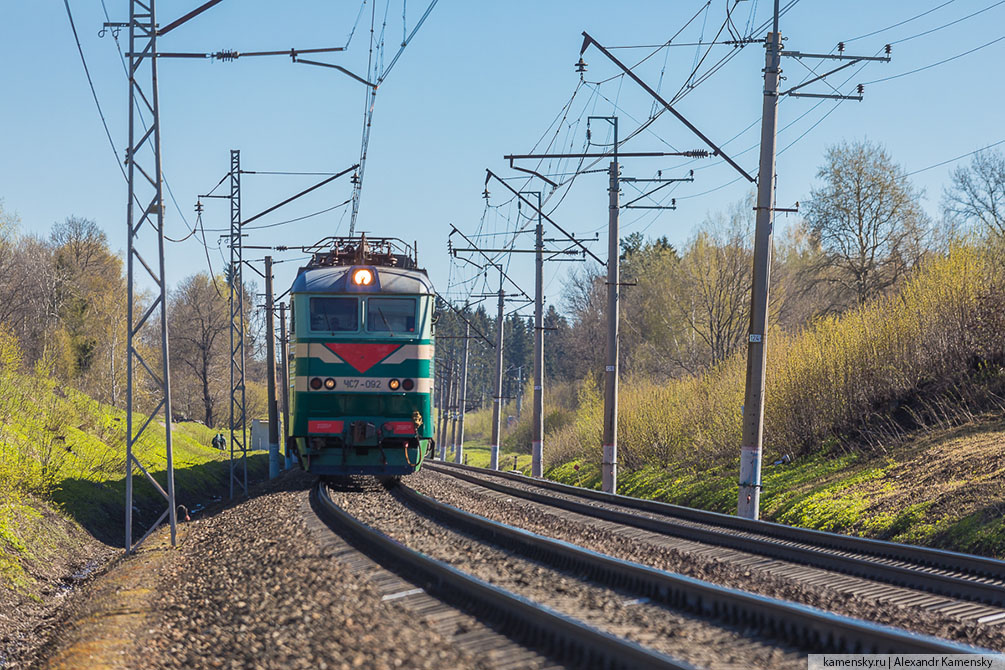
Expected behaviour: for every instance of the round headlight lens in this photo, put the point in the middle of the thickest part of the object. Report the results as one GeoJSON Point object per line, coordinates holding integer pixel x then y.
{"type": "Point", "coordinates": [362, 277]}
{"type": "Point", "coordinates": [316, 383]}
{"type": "Point", "coordinates": [329, 383]}
{"type": "Point", "coordinates": [408, 384]}
{"type": "Point", "coordinates": [394, 384]}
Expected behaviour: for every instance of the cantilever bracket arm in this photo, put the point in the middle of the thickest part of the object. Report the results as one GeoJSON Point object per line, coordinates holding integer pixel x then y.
{"type": "Point", "coordinates": [529, 171]}
{"type": "Point", "coordinates": [334, 67]}
{"type": "Point", "coordinates": [819, 77]}
{"type": "Point", "coordinates": [302, 193]}
{"type": "Point", "coordinates": [188, 17]}
{"type": "Point", "coordinates": [490, 174]}
{"type": "Point", "coordinates": [587, 41]}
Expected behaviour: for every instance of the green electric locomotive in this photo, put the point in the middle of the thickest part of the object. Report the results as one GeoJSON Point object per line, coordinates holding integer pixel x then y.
{"type": "Point", "coordinates": [361, 360]}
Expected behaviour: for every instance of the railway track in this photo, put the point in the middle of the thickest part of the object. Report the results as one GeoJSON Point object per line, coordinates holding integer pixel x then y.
{"type": "Point", "coordinates": [576, 643]}
{"type": "Point", "coordinates": [969, 588]}
{"type": "Point", "coordinates": [535, 626]}
{"type": "Point", "coordinates": [805, 627]}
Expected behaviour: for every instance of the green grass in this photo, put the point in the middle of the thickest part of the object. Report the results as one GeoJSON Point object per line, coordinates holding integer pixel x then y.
{"type": "Point", "coordinates": [478, 454]}
{"type": "Point", "coordinates": [890, 496]}
{"type": "Point", "coordinates": [62, 457]}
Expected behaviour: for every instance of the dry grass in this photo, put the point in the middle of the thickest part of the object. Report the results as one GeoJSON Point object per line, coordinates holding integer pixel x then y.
{"type": "Point", "coordinates": [925, 356]}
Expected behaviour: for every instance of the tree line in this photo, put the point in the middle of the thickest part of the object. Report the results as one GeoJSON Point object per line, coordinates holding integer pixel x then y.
{"type": "Point", "coordinates": [63, 297]}
{"type": "Point", "coordinates": [858, 236]}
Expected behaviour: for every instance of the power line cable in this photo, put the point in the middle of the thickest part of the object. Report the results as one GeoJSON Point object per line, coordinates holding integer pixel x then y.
{"type": "Point", "coordinates": [900, 23]}
{"type": "Point", "coordinates": [941, 62]}
{"type": "Point", "coordinates": [947, 25]}
{"type": "Point", "coordinates": [94, 93]}
{"type": "Point", "coordinates": [953, 160]}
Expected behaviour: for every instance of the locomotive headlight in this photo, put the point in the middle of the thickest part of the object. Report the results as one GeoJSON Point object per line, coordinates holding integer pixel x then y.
{"type": "Point", "coordinates": [329, 383]}
{"type": "Point", "coordinates": [362, 277]}
{"type": "Point", "coordinates": [394, 384]}
{"type": "Point", "coordinates": [408, 384]}
{"type": "Point", "coordinates": [316, 383]}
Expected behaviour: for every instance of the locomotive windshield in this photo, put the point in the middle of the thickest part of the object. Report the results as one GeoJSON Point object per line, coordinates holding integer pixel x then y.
{"type": "Point", "coordinates": [334, 314]}
{"type": "Point", "coordinates": [390, 315]}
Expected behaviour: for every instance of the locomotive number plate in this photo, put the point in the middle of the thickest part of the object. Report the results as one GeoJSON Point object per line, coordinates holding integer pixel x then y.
{"type": "Point", "coordinates": [359, 383]}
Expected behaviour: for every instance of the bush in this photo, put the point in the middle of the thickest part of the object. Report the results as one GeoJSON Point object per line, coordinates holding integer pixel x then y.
{"type": "Point", "coordinates": [919, 357]}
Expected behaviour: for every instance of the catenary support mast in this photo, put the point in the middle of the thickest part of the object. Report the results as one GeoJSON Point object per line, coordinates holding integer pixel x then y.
{"type": "Point", "coordinates": [145, 243]}
{"type": "Point", "coordinates": [497, 397]}
{"type": "Point", "coordinates": [753, 405]}
{"type": "Point", "coordinates": [459, 452]}
{"type": "Point", "coordinates": [609, 464]}
{"type": "Point", "coordinates": [270, 372]}
{"type": "Point", "coordinates": [284, 379]}
{"type": "Point", "coordinates": [537, 432]}
{"type": "Point", "coordinates": [238, 417]}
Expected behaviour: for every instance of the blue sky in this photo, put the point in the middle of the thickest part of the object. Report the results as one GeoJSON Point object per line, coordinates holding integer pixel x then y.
{"type": "Point", "coordinates": [480, 80]}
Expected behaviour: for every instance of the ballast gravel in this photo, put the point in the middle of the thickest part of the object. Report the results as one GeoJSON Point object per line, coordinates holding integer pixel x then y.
{"type": "Point", "coordinates": [251, 588]}
{"type": "Point", "coordinates": [643, 547]}
{"type": "Point", "coordinates": [680, 636]}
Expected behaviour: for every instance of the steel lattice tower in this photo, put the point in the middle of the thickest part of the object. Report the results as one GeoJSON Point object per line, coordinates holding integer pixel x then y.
{"type": "Point", "coordinates": [145, 243]}
{"type": "Point", "coordinates": [238, 419]}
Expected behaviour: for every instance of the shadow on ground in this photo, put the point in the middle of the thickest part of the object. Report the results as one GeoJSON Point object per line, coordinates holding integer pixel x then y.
{"type": "Point", "coordinates": [99, 506]}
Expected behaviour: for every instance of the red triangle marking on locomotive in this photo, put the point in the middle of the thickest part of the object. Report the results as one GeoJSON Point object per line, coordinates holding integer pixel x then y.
{"type": "Point", "coordinates": [362, 356]}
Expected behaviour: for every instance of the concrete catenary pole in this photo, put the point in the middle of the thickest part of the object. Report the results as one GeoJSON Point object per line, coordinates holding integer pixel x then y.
{"type": "Point", "coordinates": [459, 451]}
{"type": "Point", "coordinates": [444, 418]}
{"type": "Point", "coordinates": [270, 372]}
{"type": "Point", "coordinates": [609, 465]}
{"type": "Point", "coordinates": [453, 407]}
{"type": "Point", "coordinates": [753, 405]}
{"type": "Point", "coordinates": [537, 429]}
{"type": "Point", "coordinates": [284, 379]}
{"type": "Point", "coordinates": [497, 398]}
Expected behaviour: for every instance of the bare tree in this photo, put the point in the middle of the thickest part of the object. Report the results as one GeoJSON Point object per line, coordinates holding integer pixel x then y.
{"type": "Point", "coordinates": [867, 219]}
{"type": "Point", "coordinates": [977, 193]}
{"type": "Point", "coordinates": [199, 325]}
{"type": "Point", "coordinates": [713, 291]}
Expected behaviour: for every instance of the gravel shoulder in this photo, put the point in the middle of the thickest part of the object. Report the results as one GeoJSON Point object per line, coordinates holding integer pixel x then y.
{"type": "Point", "coordinates": [252, 588]}
{"type": "Point", "coordinates": [681, 636]}
{"type": "Point", "coordinates": [702, 563]}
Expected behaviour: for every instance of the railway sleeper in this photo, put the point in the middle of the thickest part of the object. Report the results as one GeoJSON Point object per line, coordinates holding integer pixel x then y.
{"type": "Point", "coordinates": [803, 626]}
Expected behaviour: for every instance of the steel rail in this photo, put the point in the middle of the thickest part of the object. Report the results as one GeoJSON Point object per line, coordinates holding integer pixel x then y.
{"type": "Point", "coordinates": [775, 540]}
{"type": "Point", "coordinates": [539, 627]}
{"type": "Point", "coordinates": [936, 558]}
{"type": "Point", "coordinates": [779, 619]}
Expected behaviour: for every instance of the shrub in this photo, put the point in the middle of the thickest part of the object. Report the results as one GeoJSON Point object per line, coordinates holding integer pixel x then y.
{"type": "Point", "coordinates": [917, 357]}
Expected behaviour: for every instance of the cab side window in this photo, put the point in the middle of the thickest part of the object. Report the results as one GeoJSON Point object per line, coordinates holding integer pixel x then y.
{"type": "Point", "coordinates": [390, 315]}
{"type": "Point", "coordinates": [334, 315]}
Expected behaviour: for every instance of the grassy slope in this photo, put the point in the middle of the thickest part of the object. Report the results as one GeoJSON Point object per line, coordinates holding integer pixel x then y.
{"type": "Point", "coordinates": [942, 488]}
{"type": "Point", "coordinates": [56, 497]}
{"type": "Point", "coordinates": [477, 453]}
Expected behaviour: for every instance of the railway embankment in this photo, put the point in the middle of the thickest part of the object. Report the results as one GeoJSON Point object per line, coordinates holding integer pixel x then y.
{"type": "Point", "coordinates": [883, 421]}
{"type": "Point", "coordinates": [941, 488]}
{"type": "Point", "coordinates": [62, 494]}
{"type": "Point", "coordinates": [251, 584]}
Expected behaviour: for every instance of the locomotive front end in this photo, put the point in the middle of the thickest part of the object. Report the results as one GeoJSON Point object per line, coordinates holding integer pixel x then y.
{"type": "Point", "coordinates": [361, 378]}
